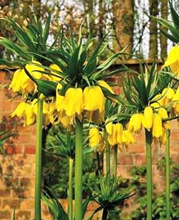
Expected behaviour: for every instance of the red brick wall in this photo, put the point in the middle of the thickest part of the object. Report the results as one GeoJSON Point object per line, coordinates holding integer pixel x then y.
{"type": "Point", "coordinates": [17, 166]}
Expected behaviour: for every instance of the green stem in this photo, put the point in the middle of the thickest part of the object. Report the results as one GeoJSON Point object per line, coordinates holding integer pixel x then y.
{"type": "Point", "coordinates": [148, 137]}
{"type": "Point", "coordinates": [168, 175]}
{"type": "Point", "coordinates": [105, 214]}
{"type": "Point", "coordinates": [78, 169]}
{"type": "Point", "coordinates": [107, 155]}
{"type": "Point", "coordinates": [115, 160]}
{"type": "Point", "coordinates": [70, 194]}
{"type": "Point", "coordinates": [38, 162]}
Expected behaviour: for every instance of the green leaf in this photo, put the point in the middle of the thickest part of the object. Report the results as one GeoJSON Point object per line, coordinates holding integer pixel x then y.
{"type": "Point", "coordinates": [46, 29]}
{"type": "Point", "coordinates": [169, 36]}
{"type": "Point", "coordinates": [169, 25]}
{"type": "Point", "coordinates": [175, 16]}
{"type": "Point", "coordinates": [48, 88]}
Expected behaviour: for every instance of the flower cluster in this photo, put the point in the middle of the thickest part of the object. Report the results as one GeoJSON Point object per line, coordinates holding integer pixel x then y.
{"type": "Point", "coordinates": [152, 120]}
{"type": "Point", "coordinates": [117, 135]}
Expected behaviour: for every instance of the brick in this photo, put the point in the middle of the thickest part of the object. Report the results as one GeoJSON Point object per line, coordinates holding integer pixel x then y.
{"type": "Point", "coordinates": [136, 148]}
{"type": "Point", "coordinates": [92, 206]}
{"type": "Point", "coordinates": [5, 193]}
{"type": "Point", "coordinates": [25, 171]}
{"type": "Point", "coordinates": [11, 203]}
{"type": "Point", "coordinates": [23, 215]}
{"type": "Point", "coordinates": [29, 149]}
{"type": "Point", "coordinates": [13, 149]}
{"type": "Point", "coordinates": [123, 170]}
{"type": "Point", "coordinates": [125, 159]}
{"type": "Point", "coordinates": [140, 159]}
{"type": "Point", "coordinates": [27, 204]}
{"type": "Point", "coordinates": [5, 214]}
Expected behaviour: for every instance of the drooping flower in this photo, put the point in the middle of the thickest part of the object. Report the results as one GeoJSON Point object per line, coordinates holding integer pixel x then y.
{"type": "Point", "coordinates": [148, 118]}
{"type": "Point", "coordinates": [119, 133]}
{"type": "Point", "coordinates": [127, 138]}
{"type": "Point", "coordinates": [164, 115]}
{"type": "Point", "coordinates": [135, 123]}
{"type": "Point", "coordinates": [173, 60]}
{"type": "Point", "coordinates": [93, 99]}
{"type": "Point", "coordinates": [25, 110]}
{"type": "Point", "coordinates": [112, 138]}
{"type": "Point", "coordinates": [167, 96]}
{"type": "Point", "coordinates": [20, 109]}
{"type": "Point", "coordinates": [109, 127]}
{"type": "Point", "coordinates": [73, 102]}
{"type": "Point", "coordinates": [94, 137]}
{"type": "Point", "coordinates": [22, 82]}
{"type": "Point", "coordinates": [157, 131]}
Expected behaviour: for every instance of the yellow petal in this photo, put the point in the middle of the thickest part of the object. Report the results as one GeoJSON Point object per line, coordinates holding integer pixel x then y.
{"type": "Point", "coordinates": [109, 127]}
{"type": "Point", "coordinates": [93, 99]}
{"type": "Point", "coordinates": [135, 123]}
{"type": "Point", "coordinates": [30, 115]}
{"type": "Point", "coordinates": [173, 56]}
{"type": "Point", "coordinates": [20, 110]}
{"type": "Point", "coordinates": [94, 137]}
{"type": "Point", "coordinates": [16, 80]}
{"type": "Point", "coordinates": [112, 138]}
{"type": "Point", "coordinates": [73, 101]}
{"type": "Point", "coordinates": [148, 118]}
{"type": "Point", "coordinates": [157, 126]}
{"type": "Point", "coordinates": [105, 85]}
{"type": "Point", "coordinates": [119, 133]}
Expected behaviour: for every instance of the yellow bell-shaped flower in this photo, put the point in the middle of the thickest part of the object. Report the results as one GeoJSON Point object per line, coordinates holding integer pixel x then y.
{"type": "Point", "coordinates": [127, 138]}
{"type": "Point", "coordinates": [20, 110]}
{"type": "Point", "coordinates": [112, 138]}
{"type": "Point", "coordinates": [119, 133]}
{"type": "Point", "coordinates": [148, 118]}
{"type": "Point", "coordinates": [168, 94]}
{"type": "Point", "coordinates": [173, 60]}
{"type": "Point", "coordinates": [94, 137]}
{"type": "Point", "coordinates": [135, 123]}
{"type": "Point", "coordinates": [93, 99]}
{"type": "Point", "coordinates": [16, 80]}
{"type": "Point", "coordinates": [157, 126]}
{"type": "Point", "coordinates": [30, 116]}
{"type": "Point", "coordinates": [164, 115]}
{"type": "Point", "coordinates": [109, 127]}
{"type": "Point", "coordinates": [73, 103]}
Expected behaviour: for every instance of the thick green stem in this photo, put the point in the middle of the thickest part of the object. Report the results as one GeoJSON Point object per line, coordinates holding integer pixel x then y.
{"type": "Point", "coordinates": [38, 162]}
{"type": "Point", "coordinates": [105, 214]}
{"type": "Point", "coordinates": [78, 169]}
{"type": "Point", "coordinates": [70, 193]}
{"type": "Point", "coordinates": [167, 149]}
{"type": "Point", "coordinates": [148, 137]}
{"type": "Point", "coordinates": [107, 155]}
{"type": "Point", "coordinates": [115, 160]}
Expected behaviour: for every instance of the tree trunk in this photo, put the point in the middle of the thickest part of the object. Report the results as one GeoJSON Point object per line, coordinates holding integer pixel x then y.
{"type": "Point", "coordinates": [163, 39]}
{"type": "Point", "coordinates": [123, 11]}
{"type": "Point", "coordinates": [153, 46]}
